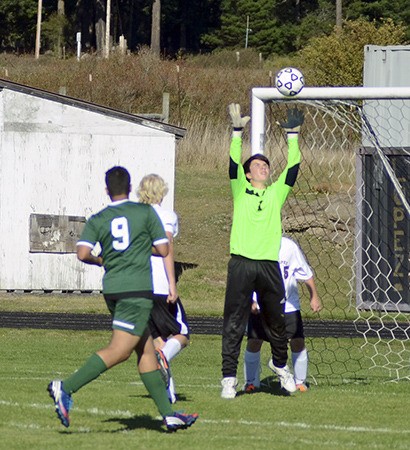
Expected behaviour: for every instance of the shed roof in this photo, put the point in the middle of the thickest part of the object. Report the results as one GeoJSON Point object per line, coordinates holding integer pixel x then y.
{"type": "Point", "coordinates": [83, 104]}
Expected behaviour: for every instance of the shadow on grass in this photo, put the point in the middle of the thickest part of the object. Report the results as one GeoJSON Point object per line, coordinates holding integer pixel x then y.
{"type": "Point", "coordinates": [180, 397]}
{"type": "Point", "coordinates": [133, 423]}
{"type": "Point", "coordinates": [143, 421]}
{"type": "Point", "coordinates": [180, 267]}
{"type": "Point", "coordinates": [269, 385]}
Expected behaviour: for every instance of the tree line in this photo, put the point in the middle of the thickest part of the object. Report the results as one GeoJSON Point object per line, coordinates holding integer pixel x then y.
{"type": "Point", "coordinates": [271, 27]}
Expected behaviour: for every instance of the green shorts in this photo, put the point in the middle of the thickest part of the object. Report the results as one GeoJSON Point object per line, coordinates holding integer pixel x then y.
{"type": "Point", "coordinates": [130, 314]}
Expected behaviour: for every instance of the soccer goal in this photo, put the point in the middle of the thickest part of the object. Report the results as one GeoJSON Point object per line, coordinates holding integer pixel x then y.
{"type": "Point", "coordinates": [350, 213]}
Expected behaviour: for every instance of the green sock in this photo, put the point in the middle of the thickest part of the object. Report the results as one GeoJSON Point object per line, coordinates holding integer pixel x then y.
{"type": "Point", "coordinates": [156, 389]}
{"type": "Point", "coordinates": [92, 369]}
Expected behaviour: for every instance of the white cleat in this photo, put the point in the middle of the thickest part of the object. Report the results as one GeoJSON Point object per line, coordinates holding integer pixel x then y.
{"type": "Point", "coordinates": [285, 377]}
{"type": "Point", "coordinates": [229, 387]}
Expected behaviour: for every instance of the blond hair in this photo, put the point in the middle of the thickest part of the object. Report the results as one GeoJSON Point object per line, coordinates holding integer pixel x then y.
{"type": "Point", "coordinates": [152, 189]}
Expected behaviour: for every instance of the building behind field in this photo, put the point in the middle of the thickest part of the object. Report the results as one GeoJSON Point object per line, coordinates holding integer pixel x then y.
{"type": "Point", "coordinates": [54, 152]}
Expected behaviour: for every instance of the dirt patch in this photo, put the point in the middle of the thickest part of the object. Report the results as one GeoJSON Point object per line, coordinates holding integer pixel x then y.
{"type": "Point", "coordinates": [331, 216]}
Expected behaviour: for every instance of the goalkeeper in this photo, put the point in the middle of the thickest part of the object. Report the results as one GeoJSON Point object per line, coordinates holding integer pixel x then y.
{"type": "Point", "coordinates": [254, 246]}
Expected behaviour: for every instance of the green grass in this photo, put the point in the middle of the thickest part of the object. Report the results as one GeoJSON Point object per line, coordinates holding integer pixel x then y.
{"type": "Point", "coordinates": [204, 205]}
{"type": "Point", "coordinates": [114, 411]}
{"type": "Point", "coordinates": [67, 303]}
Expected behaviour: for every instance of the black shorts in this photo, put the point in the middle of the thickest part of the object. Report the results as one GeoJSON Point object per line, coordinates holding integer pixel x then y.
{"type": "Point", "coordinates": [294, 326]}
{"type": "Point", "coordinates": [167, 319]}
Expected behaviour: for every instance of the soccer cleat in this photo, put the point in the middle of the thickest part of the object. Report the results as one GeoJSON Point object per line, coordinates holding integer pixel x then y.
{"type": "Point", "coordinates": [249, 388]}
{"type": "Point", "coordinates": [179, 421]}
{"type": "Point", "coordinates": [229, 387]}
{"type": "Point", "coordinates": [163, 366]}
{"type": "Point", "coordinates": [302, 387]}
{"type": "Point", "coordinates": [62, 401]}
{"type": "Point", "coordinates": [286, 379]}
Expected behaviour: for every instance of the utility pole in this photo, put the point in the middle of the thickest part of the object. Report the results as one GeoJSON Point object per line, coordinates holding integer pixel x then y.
{"type": "Point", "coordinates": [61, 13]}
{"type": "Point", "coordinates": [38, 30]}
{"type": "Point", "coordinates": [339, 15]}
{"type": "Point", "coordinates": [247, 32]}
{"type": "Point", "coordinates": [156, 28]}
{"type": "Point", "coordinates": [107, 30]}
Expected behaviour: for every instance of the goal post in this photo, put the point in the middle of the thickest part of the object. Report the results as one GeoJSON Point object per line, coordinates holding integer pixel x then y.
{"type": "Point", "coordinates": [350, 212]}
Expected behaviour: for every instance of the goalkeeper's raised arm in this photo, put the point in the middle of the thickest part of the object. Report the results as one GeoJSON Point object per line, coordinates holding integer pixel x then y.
{"type": "Point", "coordinates": [291, 126]}
{"type": "Point", "coordinates": [238, 124]}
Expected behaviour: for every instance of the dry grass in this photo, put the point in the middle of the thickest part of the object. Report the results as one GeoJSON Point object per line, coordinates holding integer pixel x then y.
{"type": "Point", "coordinates": [200, 89]}
{"type": "Point", "coordinates": [135, 83]}
{"type": "Point", "coordinates": [205, 145]}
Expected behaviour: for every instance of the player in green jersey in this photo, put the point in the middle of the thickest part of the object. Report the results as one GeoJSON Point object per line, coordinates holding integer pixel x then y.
{"type": "Point", "coordinates": [254, 246]}
{"type": "Point", "coordinates": [128, 234]}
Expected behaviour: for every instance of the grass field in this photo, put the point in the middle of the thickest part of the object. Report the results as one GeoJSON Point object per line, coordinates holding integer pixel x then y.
{"type": "Point", "coordinates": [347, 407]}
{"type": "Point", "coordinates": [114, 411]}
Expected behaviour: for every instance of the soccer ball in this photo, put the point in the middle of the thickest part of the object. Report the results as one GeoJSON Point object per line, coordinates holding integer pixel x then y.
{"type": "Point", "coordinates": [289, 81]}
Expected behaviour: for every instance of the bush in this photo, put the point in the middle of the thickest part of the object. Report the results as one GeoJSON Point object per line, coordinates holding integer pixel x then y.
{"type": "Point", "coordinates": [53, 32]}
{"type": "Point", "coordinates": [240, 58]}
{"type": "Point", "coordinates": [337, 59]}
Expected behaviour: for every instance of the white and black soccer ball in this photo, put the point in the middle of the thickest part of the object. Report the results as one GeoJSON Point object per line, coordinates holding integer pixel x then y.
{"type": "Point", "coordinates": [289, 81]}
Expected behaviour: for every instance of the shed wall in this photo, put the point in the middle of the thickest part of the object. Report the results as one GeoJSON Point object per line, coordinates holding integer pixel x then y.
{"type": "Point", "coordinates": [53, 159]}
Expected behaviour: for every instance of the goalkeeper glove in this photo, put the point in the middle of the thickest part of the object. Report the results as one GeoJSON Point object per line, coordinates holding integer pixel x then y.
{"type": "Point", "coordinates": [294, 121]}
{"type": "Point", "coordinates": [238, 122]}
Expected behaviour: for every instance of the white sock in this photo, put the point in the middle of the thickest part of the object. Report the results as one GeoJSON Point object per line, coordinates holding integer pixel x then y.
{"type": "Point", "coordinates": [171, 390]}
{"type": "Point", "coordinates": [300, 366]}
{"type": "Point", "coordinates": [252, 363]}
{"type": "Point", "coordinates": [171, 348]}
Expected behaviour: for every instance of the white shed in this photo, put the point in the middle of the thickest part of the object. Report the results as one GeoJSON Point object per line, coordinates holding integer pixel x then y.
{"type": "Point", "coordinates": [54, 152]}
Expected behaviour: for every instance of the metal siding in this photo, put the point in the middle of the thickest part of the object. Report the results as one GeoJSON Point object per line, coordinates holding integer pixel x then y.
{"type": "Point", "coordinates": [387, 66]}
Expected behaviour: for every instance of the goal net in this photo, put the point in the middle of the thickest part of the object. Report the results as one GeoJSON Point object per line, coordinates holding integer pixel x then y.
{"type": "Point", "coordinates": [350, 214]}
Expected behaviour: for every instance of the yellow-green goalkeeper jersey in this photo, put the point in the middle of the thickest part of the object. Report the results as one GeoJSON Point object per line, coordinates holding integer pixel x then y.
{"type": "Point", "coordinates": [256, 225]}
{"type": "Point", "coordinates": [126, 231]}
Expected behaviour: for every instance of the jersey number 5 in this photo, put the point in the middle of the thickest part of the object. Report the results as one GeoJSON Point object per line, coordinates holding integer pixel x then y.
{"type": "Point", "coordinates": [120, 232]}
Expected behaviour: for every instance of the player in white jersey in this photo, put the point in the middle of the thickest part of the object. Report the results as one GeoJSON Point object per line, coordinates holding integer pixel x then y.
{"type": "Point", "coordinates": [168, 323]}
{"type": "Point", "coordinates": [294, 268]}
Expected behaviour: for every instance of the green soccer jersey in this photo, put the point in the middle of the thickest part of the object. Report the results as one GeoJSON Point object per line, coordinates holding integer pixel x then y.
{"type": "Point", "coordinates": [256, 225]}
{"type": "Point", "coordinates": [126, 232]}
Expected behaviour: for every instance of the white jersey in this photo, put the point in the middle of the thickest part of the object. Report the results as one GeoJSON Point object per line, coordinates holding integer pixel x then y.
{"type": "Point", "coordinates": [159, 276]}
{"type": "Point", "coordinates": [294, 268]}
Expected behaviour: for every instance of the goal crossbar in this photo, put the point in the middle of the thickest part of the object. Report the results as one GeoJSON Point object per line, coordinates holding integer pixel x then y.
{"type": "Point", "coordinates": [261, 95]}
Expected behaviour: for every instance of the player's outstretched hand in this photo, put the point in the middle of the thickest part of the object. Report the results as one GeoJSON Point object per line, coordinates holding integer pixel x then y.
{"type": "Point", "coordinates": [238, 122]}
{"type": "Point", "coordinates": [294, 121]}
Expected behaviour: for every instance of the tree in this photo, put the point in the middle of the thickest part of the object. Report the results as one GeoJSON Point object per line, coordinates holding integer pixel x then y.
{"type": "Point", "coordinates": [185, 21]}
{"type": "Point", "coordinates": [18, 24]}
{"type": "Point", "coordinates": [233, 22]}
{"type": "Point", "coordinates": [378, 10]}
{"type": "Point", "coordinates": [53, 32]}
{"type": "Point", "coordinates": [278, 26]}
